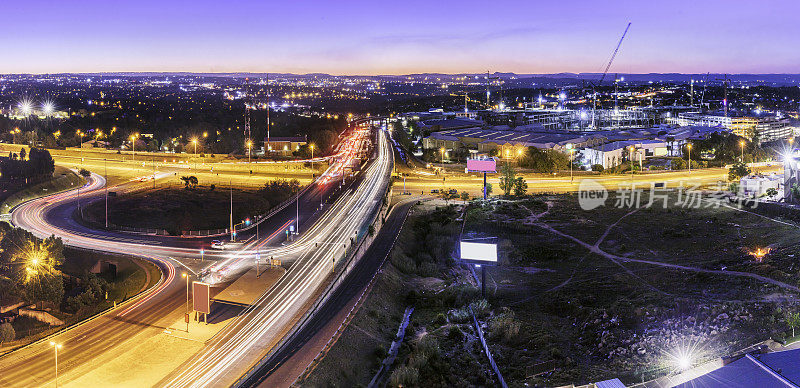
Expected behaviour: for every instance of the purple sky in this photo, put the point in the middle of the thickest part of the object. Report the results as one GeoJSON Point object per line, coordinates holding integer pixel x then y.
{"type": "Point", "coordinates": [397, 37]}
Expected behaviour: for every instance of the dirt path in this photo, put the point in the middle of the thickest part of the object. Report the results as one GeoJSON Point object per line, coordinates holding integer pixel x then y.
{"type": "Point", "coordinates": [619, 259]}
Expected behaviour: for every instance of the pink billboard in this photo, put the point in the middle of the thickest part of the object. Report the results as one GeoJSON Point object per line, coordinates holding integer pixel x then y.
{"type": "Point", "coordinates": [481, 165]}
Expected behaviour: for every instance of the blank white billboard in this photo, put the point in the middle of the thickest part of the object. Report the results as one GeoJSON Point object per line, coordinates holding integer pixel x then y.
{"type": "Point", "coordinates": [479, 252]}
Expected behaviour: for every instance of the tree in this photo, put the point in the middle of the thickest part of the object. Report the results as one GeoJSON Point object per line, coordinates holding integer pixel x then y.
{"type": "Point", "coordinates": [793, 320]}
{"type": "Point", "coordinates": [85, 173]}
{"type": "Point", "coordinates": [507, 179]}
{"type": "Point", "coordinates": [22, 154]}
{"type": "Point", "coordinates": [190, 181]}
{"type": "Point", "coordinates": [464, 196]}
{"type": "Point", "coordinates": [488, 189]}
{"type": "Point", "coordinates": [520, 187]}
{"type": "Point", "coordinates": [738, 171]}
{"type": "Point", "coordinates": [7, 333]}
{"type": "Point", "coordinates": [544, 160]}
{"type": "Point", "coordinates": [771, 192]}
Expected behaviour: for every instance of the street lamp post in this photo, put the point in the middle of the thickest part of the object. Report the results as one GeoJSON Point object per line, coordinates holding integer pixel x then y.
{"type": "Point", "coordinates": [185, 275]}
{"type": "Point", "coordinates": [630, 157]}
{"type": "Point", "coordinates": [312, 156]}
{"type": "Point", "coordinates": [56, 347]}
{"type": "Point", "coordinates": [741, 145]}
{"type": "Point", "coordinates": [133, 144]}
{"type": "Point", "coordinates": [689, 146]}
{"type": "Point", "coordinates": [249, 150]}
{"type": "Point", "coordinates": [194, 141]}
{"type": "Point", "coordinates": [105, 167]}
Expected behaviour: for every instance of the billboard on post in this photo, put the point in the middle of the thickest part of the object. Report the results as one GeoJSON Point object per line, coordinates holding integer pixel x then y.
{"type": "Point", "coordinates": [481, 165]}
{"type": "Point", "coordinates": [201, 297]}
{"type": "Point", "coordinates": [479, 253]}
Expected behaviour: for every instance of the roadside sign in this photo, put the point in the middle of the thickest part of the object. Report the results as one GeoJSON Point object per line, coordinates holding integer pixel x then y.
{"type": "Point", "coordinates": [479, 253]}
{"type": "Point", "coordinates": [201, 297]}
{"type": "Point", "coordinates": [291, 228]}
{"type": "Point", "coordinates": [482, 165]}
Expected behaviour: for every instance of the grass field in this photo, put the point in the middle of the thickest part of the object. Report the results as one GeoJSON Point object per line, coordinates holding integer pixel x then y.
{"type": "Point", "coordinates": [578, 296]}
{"type": "Point", "coordinates": [63, 179]}
{"type": "Point", "coordinates": [180, 209]}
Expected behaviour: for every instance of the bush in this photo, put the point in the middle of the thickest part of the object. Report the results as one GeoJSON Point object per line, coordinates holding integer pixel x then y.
{"type": "Point", "coordinates": [504, 327]}
{"type": "Point", "coordinates": [404, 376]}
{"type": "Point", "coordinates": [597, 167]}
{"type": "Point", "coordinates": [460, 316]}
{"type": "Point", "coordinates": [428, 269]}
{"type": "Point", "coordinates": [480, 307]}
{"type": "Point", "coordinates": [7, 333]}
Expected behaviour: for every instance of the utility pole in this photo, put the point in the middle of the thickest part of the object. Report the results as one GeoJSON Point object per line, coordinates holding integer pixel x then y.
{"type": "Point", "coordinates": [725, 82]}
{"type": "Point", "coordinates": [233, 232]}
{"type": "Point", "coordinates": [186, 317]}
{"type": "Point", "coordinates": [268, 146]}
{"type": "Point", "coordinates": [691, 93]}
{"type": "Point", "coordinates": [105, 166]}
{"type": "Point", "coordinates": [247, 108]}
{"type": "Point", "coordinates": [297, 214]}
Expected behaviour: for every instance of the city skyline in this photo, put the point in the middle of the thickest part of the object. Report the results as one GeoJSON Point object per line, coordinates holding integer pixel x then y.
{"type": "Point", "coordinates": [358, 38]}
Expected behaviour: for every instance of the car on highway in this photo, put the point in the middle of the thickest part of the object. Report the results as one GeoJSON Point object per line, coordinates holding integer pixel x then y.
{"type": "Point", "coordinates": [217, 244]}
{"type": "Point", "coordinates": [435, 191]}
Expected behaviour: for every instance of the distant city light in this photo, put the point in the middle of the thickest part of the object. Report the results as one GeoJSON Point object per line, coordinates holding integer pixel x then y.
{"type": "Point", "coordinates": [26, 107]}
{"type": "Point", "coordinates": [48, 107]}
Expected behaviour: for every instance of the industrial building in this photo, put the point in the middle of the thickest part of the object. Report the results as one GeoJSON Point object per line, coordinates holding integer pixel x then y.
{"type": "Point", "coordinates": [768, 127]}
{"type": "Point", "coordinates": [507, 142]}
{"type": "Point", "coordinates": [615, 153]}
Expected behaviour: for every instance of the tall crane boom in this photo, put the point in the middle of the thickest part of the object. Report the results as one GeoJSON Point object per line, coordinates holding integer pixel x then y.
{"type": "Point", "coordinates": [605, 72]}
{"type": "Point", "coordinates": [614, 55]}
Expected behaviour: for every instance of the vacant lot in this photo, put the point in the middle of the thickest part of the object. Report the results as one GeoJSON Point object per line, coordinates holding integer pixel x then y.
{"type": "Point", "coordinates": [180, 209]}
{"type": "Point", "coordinates": [578, 296]}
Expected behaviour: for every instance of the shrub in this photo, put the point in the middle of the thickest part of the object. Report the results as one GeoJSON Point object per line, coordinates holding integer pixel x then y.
{"type": "Point", "coordinates": [404, 376]}
{"type": "Point", "coordinates": [480, 307]}
{"type": "Point", "coordinates": [597, 167]}
{"type": "Point", "coordinates": [503, 326]}
{"type": "Point", "coordinates": [460, 316]}
{"type": "Point", "coordinates": [7, 333]}
{"type": "Point", "coordinates": [428, 269]}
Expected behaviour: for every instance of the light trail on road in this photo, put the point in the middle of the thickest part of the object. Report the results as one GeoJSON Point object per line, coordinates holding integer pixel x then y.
{"type": "Point", "coordinates": [242, 343]}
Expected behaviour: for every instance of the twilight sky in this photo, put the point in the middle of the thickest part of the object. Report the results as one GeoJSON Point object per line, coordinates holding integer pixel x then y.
{"type": "Point", "coordinates": [398, 37]}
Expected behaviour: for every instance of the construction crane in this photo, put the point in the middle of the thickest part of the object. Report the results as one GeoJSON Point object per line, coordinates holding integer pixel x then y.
{"type": "Point", "coordinates": [488, 81]}
{"type": "Point", "coordinates": [725, 81]}
{"type": "Point", "coordinates": [605, 72]}
{"type": "Point", "coordinates": [703, 95]}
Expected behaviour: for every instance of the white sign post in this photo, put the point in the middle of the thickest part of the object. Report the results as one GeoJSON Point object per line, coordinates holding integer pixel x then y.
{"type": "Point", "coordinates": [481, 254]}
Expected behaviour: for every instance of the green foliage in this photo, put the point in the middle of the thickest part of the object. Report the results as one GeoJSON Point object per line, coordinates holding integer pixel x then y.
{"type": "Point", "coordinates": [38, 166]}
{"type": "Point", "coordinates": [464, 196]}
{"type": "Point", "coordinates": [279, 190]}
{"type": "Point", "coordinates": [507, 179]}
{"type": "Point", "coordinates": [504, 327]}
{"type": "Point", "coordinates": [738, 171]}
{"type": "Point", "coordinates": [404, 376]}
{"type": "Point", "coordinates": [520, 187]}
{"type": "Point", "coordinates": [7, 333]}
{"type": "Point", "coordinates": [597, 167]}
{"type": "Point", "coordinates": [190, 181]}
{"type": "Point", "coordinates": [793, 320]}
{"type": "Point", "coordinates": [771, 192]}
{"type": "Point", "coordinates": [544, 160]}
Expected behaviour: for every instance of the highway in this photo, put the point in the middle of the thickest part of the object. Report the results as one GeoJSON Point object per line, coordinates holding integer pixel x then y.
{"type": "Point", "coordinates": [420, 180]}
{"type": "Point", "coordinates": [243, 343]}
{"type": "Point", "coordinates": [120, 330]}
